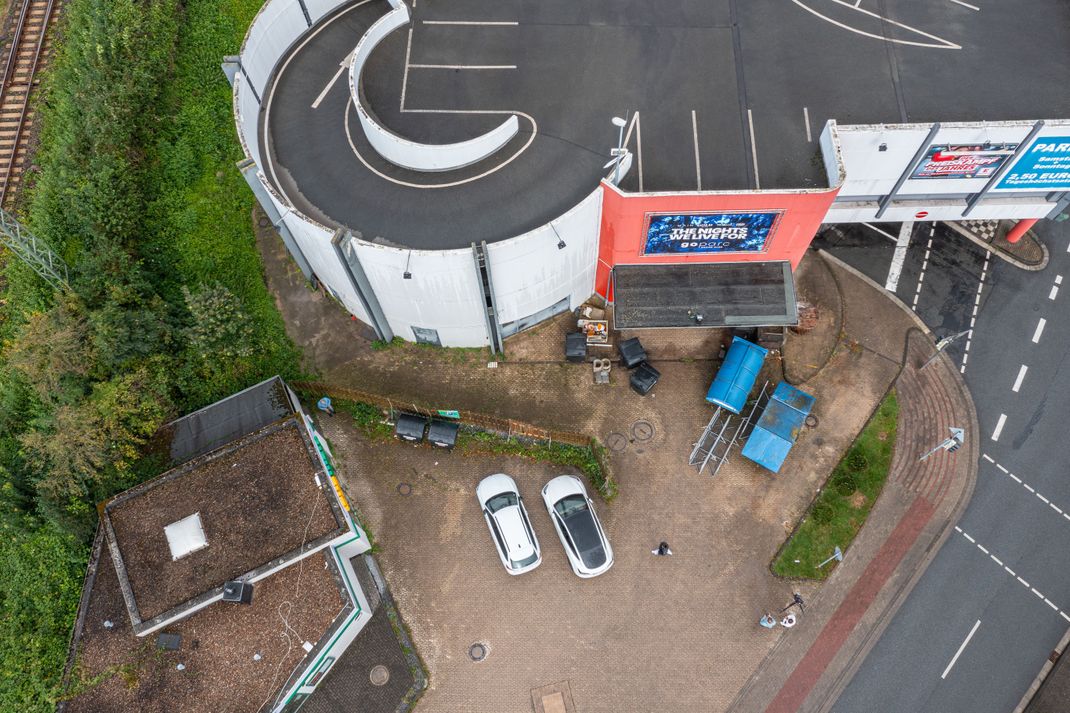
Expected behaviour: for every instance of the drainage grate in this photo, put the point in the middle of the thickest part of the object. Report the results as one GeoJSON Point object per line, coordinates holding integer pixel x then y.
{"type": "Point", "coordinates": [478, 652]}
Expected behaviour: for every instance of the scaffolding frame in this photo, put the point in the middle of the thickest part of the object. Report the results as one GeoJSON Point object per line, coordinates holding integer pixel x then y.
{"type": "Point", "coordinates": [714, 445]}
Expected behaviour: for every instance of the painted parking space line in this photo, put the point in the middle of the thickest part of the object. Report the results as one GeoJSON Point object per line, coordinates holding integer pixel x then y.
{"type": "Point", "coordinates": [753, 150]}
{"type": "Point", "coordinates": [902, 243]}
{"type": "Point", "coordinates": [961, 648]}
{"type": "Point", "coordinates": [1054, 292]}
{"type": "Point", "coordinates": [1039, 330]}
{"type": "Point", "coordinates": [698, 163]}
{"type": "Point", "coordinates": [999, 426]}
{"type": "Point", "coordinates": [966, 4]}
{"type": "Point", "coordinates": [1058, 279]}
{"type": "Point", "coordinates": [1021, 376]}
{"type": "Point", "coordinates": [1029, 488]}
{"type": "Point", "coordinates": [885, 233]}
{"type": "Point", "coordinates": [1039, 595]}
{"type": "Point", "coordinates": [806, 120]}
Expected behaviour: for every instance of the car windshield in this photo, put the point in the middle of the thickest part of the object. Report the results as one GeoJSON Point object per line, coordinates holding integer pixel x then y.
{"type": "Point", "coordinates": [570, 505]}
{"type": "Point", "coordinates": [517, 564]}
{"type": "Point", "coordinates": [500, 501]}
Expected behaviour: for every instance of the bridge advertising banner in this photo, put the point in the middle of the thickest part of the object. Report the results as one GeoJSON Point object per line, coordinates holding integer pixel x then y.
{"type": "Point", "coordinates": [962, 161]}
{"type": "Point", "coordinates": [715, 232]}
{"type": "Point", "coordinates": [1044, 166]}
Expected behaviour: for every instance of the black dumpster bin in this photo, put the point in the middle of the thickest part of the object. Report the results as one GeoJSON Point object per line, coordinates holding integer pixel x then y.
{"type": "Point", "coordinates": [443, 433]}
{"type": "Point", "coordinates": [410, 427]}
{"type": "Point", "coordinates": [632, 352]}
{"type": "Point", "coordinates": [643, 378]}
{"type": "Point", "coordinates": [576, 347]}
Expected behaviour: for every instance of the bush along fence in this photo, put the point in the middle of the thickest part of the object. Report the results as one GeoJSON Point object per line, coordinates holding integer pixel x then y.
{"type": "Point", "coordinates": [480, 433]}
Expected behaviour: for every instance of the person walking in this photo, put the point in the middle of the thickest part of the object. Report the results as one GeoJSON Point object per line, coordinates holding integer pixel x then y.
{"type": "Point", "coordinates": [797, 600]}
{"type": "Point", "coordinates": [662, 550]}
{"type": "Point", "coordinates": [788, 621]}
{"type": "Point", "coordinates": [768, 621]}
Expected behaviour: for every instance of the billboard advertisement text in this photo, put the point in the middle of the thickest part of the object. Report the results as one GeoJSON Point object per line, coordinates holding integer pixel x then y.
{"type": "Point", "coordinates": [1045, 165]}
{"type": "Point", "coordinates": [962, 160]}
{"type": "Point", "coordinates": [720, 232]}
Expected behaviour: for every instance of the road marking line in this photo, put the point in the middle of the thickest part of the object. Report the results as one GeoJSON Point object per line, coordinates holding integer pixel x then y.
{"type": "Point", "coordinates": [944, 44]}
{"type": "Point", "coordinates": [1034, 591]}
{"type": "Point", "coordinates": [1051, 604]}
{"type": "Point", "coordinates": [694, 133]}
{"type": "Point", "coordinates": [472, 22]}
{"type": "Point", "coordinates": [806, 120]}
{"type": "Point", "coordinates": [983, 550]}
{"type": "Point", "coordinates": [969, 538]}
{"type": "Point", "coordinates": [973, 316]}
{"type": "Point", "coordinates": [987, 457]}
{"type": "Point", "coordinates": [1039, 330]}
{"type": "Point", "coordinates": [902, 243]}
{"type": "Point", "coordinates": [959, 652]}
{"type": "Point", "coordinates": [1058, 279]}
{"type": "Point", "coordinates": [462, 66]}
{"type": "Point", "coordinates": [1021, 377]}
{"type": "Point", "coordinates": [1009, 571]}
{"type": "Point", "coordinates": [1066, 515]}
{"type": "Point", "coordinates": [1015, 477]}
{"type": "Point", "coordinates": [1044, 499]}
{"type": "Point", "coordinates": [958, 529]}
{"type": "Point", "coordinates": [1056, 508]}
{"type": "Point", "coordinates": [753, 150]}
{"type": "Point", "coordinates": [342, 66]}
{"type": "Point", "coordinates": [999, 426]}
{"type": "Point", "coordinates": [1053, 293]}
{"type": "Point", "coordinates": [1001, 467]}
{"type": "Point", "coordinates": [997, 560]}
{"type": "Point", "coordinates": [966, 4]}
{"type": "Point", "coordinates": [882, 232]}
{"type": "Point", "coordinates": [1062, 613]}
{"type": "Point", "coordinates": [1029, 487]}
{"type": "Point", "coordinates": [639, 147]}
{"type": "Point", "coordinates": [405, 76]}
{"type": "Point", "coordinates": [1024, 583]}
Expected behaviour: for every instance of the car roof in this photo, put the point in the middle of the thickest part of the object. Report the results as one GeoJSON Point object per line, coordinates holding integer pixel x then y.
{"type": "Point", "coordinates": [511, 524]}
{"type": "Point", "coordinates": [585, 534]}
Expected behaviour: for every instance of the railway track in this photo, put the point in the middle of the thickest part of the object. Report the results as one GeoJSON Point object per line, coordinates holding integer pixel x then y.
{"type": "Point", "coordinates": [25, 53]}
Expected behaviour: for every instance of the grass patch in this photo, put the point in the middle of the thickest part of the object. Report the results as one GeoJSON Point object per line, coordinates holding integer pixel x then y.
{"type": "Point", "coordinates": [841, 508]}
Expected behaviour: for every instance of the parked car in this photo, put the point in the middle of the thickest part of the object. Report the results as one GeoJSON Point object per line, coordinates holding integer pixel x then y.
{"type": "Point", "coordinates": [574, 518]}
{"type": "Point", "coordinates": [507, 519]}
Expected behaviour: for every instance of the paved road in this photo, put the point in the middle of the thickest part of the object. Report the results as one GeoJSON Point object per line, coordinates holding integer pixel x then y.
{"type": "Point", "coordinates": [1006, 565]}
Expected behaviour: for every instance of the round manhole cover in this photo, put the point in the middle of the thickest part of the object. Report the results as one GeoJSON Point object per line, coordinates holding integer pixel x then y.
{"type": "Point", "coordinates": [616, 442]}
{"type": "Point", "coordinates": [811, 420]}
{"type": "Point", "coordinates": [379, 675]}
{"type": "Point", "coordinates": [643, 430]}
{"type": "Point", "coordinates": [477, 652]}
{"type": "Point", "coordinates": [404, 489]}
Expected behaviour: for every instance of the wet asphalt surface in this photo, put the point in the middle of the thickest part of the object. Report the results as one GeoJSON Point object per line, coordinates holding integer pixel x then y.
{"type": "Point", "coordinates": [1018, 585]}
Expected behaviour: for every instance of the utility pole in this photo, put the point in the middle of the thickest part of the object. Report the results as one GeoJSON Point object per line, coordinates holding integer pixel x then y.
{"type": "Point", "coordinates": [950, 445]}
{"type": "Point", "coordinates": [33, 251]}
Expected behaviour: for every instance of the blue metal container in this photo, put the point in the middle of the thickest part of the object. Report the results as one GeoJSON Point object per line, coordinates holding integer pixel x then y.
{"type": "Point", "coordinates": [737, 374]}
{"type": "Point", "coordinates": [779, 426]}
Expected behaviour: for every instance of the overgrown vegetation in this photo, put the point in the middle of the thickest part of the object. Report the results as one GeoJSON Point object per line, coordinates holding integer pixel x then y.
{"type": "Point", "coordinates": [135, 186]}
{"type": "Point", "coordinates": [840, 510]}
{"type": "Point", "coordinates": [592, 460]}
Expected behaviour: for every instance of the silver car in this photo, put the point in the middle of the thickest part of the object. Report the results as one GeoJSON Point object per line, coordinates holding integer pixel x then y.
{"type": "Point", "coordinates": [507, 519]}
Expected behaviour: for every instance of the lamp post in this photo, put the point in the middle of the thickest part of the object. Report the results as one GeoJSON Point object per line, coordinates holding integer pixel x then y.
{"type": "Point", "coordinates": [620, 124]}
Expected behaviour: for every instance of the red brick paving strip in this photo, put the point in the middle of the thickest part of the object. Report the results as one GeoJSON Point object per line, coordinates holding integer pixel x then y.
{"type": "Point", "coordinates": [855, 604]}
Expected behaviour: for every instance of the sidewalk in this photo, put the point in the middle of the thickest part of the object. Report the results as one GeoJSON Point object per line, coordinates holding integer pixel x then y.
{"type": "Point", "coordinates": [914, 515]}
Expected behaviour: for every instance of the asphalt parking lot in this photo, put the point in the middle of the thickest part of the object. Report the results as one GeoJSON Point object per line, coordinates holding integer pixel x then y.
{"type": "Point", "coordinates": [718, 95]}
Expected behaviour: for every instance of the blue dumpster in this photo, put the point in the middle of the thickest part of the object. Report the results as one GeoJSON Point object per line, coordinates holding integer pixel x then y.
{"type": "Point", "coordinates": [737, 374]}
{"type": "Point", "coordinates": [779, 426]}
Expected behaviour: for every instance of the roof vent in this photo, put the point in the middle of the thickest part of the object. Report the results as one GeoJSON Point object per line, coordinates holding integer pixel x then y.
{"type": "Point", "coordinates": [238, 592]}
{"type": "Point", "coordinates": [185, 536]}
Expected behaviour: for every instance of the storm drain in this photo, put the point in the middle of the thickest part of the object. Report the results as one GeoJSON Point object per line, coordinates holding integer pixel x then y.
{"type": "Point", "coordinates": [477, 652]}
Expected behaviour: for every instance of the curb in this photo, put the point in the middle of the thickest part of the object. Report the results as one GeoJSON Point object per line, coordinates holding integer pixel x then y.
{"type": "Point", "coordinates": [1003, 254]}
{"type": "Point", "coordinates": [1044, 671]}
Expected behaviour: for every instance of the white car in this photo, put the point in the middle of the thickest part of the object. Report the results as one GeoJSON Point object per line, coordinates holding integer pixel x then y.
{"type": "Point", "coordinates": [507, 519]}
{"type": "Point", "coordinates": [577, 525]}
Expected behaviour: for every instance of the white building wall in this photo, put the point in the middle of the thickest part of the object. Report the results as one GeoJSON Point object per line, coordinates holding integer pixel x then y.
{"type": "Point", "coordinates": [278, 24]}
{"type": "Point", "coordinates": [442, 294]}
{"type": "Point", "coordinates": [530, 273]}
